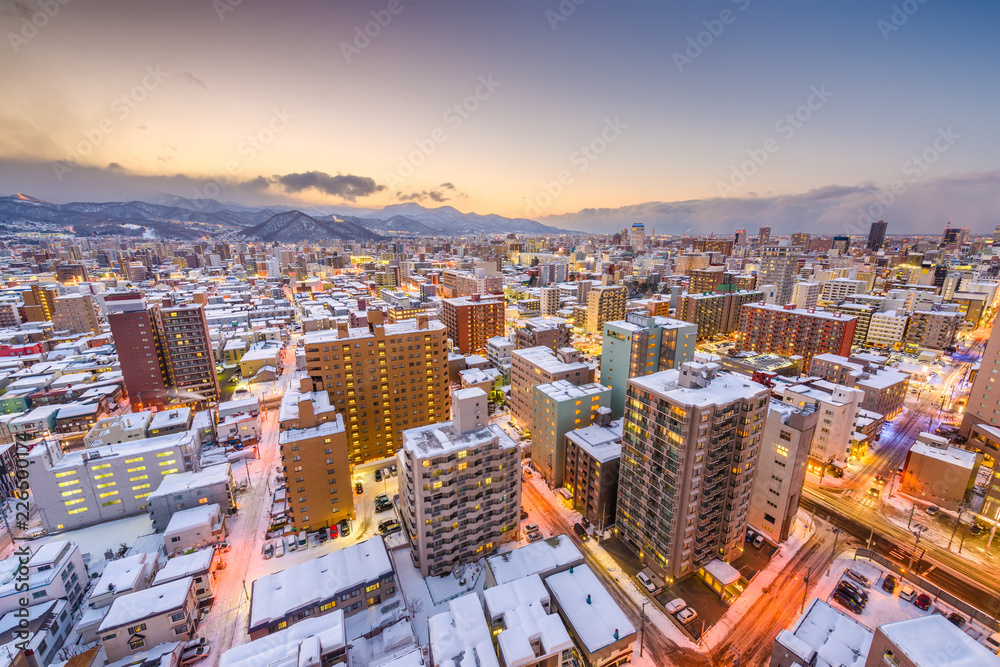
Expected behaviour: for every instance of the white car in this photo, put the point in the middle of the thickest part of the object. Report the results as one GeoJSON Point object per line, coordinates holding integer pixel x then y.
{"type": "Point", "coordinates": [687, 615]}
{"type": "Point", "coordinates": [675, 605]}
{"type": "Point", "coordinates": [907, 593]}
{"type": "Point", "coordinates": [646, 582]}
{"type": "Point", "coordinates": [279, 550]}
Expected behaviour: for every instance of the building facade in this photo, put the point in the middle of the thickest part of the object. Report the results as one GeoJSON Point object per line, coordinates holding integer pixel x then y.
{"type": "Point", "coordinates": [473, 320]}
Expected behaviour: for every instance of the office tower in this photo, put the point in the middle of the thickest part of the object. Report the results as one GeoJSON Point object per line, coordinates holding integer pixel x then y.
{"type": "Point", "coordinates": [950, 238]}
{"type": "Point", "coordinates": [984, 398]}
{"type": "Point", "coordinates": [996, 234]}
{"type": "Point", "coordinates": [313, 444]}
{"type": "Point", "coordinates": [801, 239]}
{"type": "Point", "coordinates": [187, 348]}
{"type": "Point", "coordinates": [805, 295]}
{"type": "Point", "coordinates": [637, 236]}
{"type": "Point", "coordinates": [689, 454]}
{"type": "Point", "coordinates": [558, 408]}
{"type": "Point", "coordinates": [605, 303]}
{"type": "Point", "coordinates": [778, 266]}
{"type": "Point", "coordinates": [460, 487]}
{"type": "Point", "coordinates": [764, 235]}
{"type": "Point", "coordinates": [715, 314]}
{"type": "Point", "coordinates": [473, 320]}
{"type": "Point", "coordinates": [549, 301]}
{"type": "Point", "coordinates": [382, 378]}
{"type": "Point", "coordinates": [842, 244]}
{"type": "Point", "coordinates": [540, 365]}
{"type": "Point", "coordinates": [140, 353]}
{"type": "Point", "coordinates": [786, 330]}
{"type": "Point", "coordinates": [552, 332]}
{"type": "Point", "coordinates": [741, 237]}
{"type": "Point", "coordinates": [640, 345]}
{"type": "Point", "coordinates": [876, 235]}
{"type": "Point", "coordinates": [75, 313]}
{"type": "Point", "coordinates": [781, 468]}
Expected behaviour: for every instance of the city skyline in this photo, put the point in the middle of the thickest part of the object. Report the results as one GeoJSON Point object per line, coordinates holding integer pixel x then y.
{"type": "Point", "coordinates": [703, 116]}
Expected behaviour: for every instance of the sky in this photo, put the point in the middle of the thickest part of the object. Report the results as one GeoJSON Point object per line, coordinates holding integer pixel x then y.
{"type": "Point", "coordinates": [578, 113]}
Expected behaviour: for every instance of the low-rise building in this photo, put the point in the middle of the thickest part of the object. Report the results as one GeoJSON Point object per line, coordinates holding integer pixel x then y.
{"type": "Point", "coordinates": [39, 630]}
{"type": "Point", "coordinates": [926, 640]}
{"type": "Point", "coordinates": [55, 570]}
{"type": "Point", "coordinates": [184, 490]}
{"type": "Point", "coordinates": [199, 565]}
{"type": "Point", "coordinates": [323, 639]}
{"type": "Point", "coordinates": [461, 634]}
{"type": "Point", "coordinates": [157, 615]}
{"type": "Point", "coordinates": [121, 577]}
{"type": "Point", "coordinates": [938, 472]}
{"type": "Point", "coordinates": [823, 630]}
{"type": "Point", "coordinates": [543, 558]}
{"type": "Point", "coordinates": [526, 632]}
{"type": "Point", "coordinates": [194, 528]}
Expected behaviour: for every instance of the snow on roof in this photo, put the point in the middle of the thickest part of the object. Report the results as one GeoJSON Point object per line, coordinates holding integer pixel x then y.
{"type": "Point", "coordinates": [602, 443]}
{"type": "Point", "coordinates": [589, 609]}
{"type": "Point", "coordinates": [929, 641]}
{"type": "Point", "coordinates": [147, 603]}
{"type": "Point", "coordinates": [168, 418]}
{"type": "Point", "coordinates": [412, 658]}
{"type": "Point", "coordinates": [161, 655]}
{"type": "Point", "coordinates": [192, 518]}
{"type": "Point", "coordinates": [187, 565]}
{"type": "Point", "coordinates": [180, 482]}
{"type": "Point", "coordinates": [514, 594]}
{"type": "Point", "coordinates": [121, 575]}
{"type": "Point", "coordinates": [269, 354]}
{"type": "Point", "coordinates": [838, 639]}
{"type": "Point", "coordinates": [723, 389]}
{"type": "Point", "coordinates": [545, 359]}
{"type": "Point", "coordinates": [128, 448]}
{"type": "Point", "coordinates": [564, 390]}
{"type": "Point", "coordinates": [461, 635]}
{"type": "Point", "coordinates": [313, 637]}
{"type": "Point", "coordinates": [722, 572]}
{"type": "Point", "coordinates": [441, 439]}
{"type": "Point", "coordinates": [537, 558]}
{"type": "Point", "coordinates": [302, 586]}
{"type": "Point", "coordinates": [955, 456]}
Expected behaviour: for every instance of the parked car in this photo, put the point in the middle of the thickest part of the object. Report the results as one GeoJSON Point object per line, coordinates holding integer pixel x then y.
{"type": "Point", "coordinates": [195, 643]}
{"type": "Point", "coordinates": [223, 546]}
{"type": "Point", "coordinates": [393, 470]}
{"type": "Point", "coordinates": [932, 510]}
{"type": "Point", "coordinates": [534, 536]}
{"type": "Point", "coordinates": [646, 582]}
{"type": "Point", "coordinates": [194, 655]}
{"type": "Point", "coordinates": [957, 619]}
{"type": "Point", "coordinates": [359, 487]}
{"type": "Point", "coordinates": [907, 593]}
{"type": "Point", "coordinates": [389, 527]}
{"type": "Point", "coordinates": [303, 541]}
{"type": "Point", "coordinates": [581, 531]}
{"type": "Point", "coordinates": [378, 475]}
{"type": "Point", "coordinates": [976, 529]}
{"type": "Point", "coordinates": [675, 605]}
{"type": "Point", "coordinates": [751, 534]}
{"type": "Point", "coordinates": [345, 527]}
{"type": "Point", "coordinates": [889, 584]}
{"type": "Point", "coordinates": [862, 593]}
{"type": "Point", "coordinates": [268, 550]}
{"type": "Point", "coordinates": [846, 601]}
{"type": "Point", "coordinates": [279, 549]}
{"type": "Point", "coordinates": [992, 642]}
{"type": "Point", "coordinates": [758, 542]}
{"type": "Point", "coordinates": [686, 615]}
{"type": "Point", "coordinates": [334, 531]}
{"type": "Point", "coordinates": [291, 544]}
{"type": "Point", "coordinates": [923, 602]}
{"type": "Point", "coordinates": [531, 528]}
{"type": "Point", "coordinates": [850, 593]}
{"type": "Point", "coordinates": [858, 577]}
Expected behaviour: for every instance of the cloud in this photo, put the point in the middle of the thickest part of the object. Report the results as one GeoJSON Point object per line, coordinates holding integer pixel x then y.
{"type": "Point", "coordinates": [434, 195]}
{"type": "Point", "coordinates": [193, 80]}
{"type": "Point", "coordinates": [448, 186]}
{"type": "Point", "coordinates": [115, 166]}
{"type": "Point", "coordinates": [345, 186]}
{"type": "Point", "coordinates": [971, 200]}
{"type": "Point", "coordinates": [257, 184]}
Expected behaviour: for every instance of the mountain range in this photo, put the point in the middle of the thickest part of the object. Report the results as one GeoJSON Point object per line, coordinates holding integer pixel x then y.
{"type": "Point", "coordinates": [172, 217]}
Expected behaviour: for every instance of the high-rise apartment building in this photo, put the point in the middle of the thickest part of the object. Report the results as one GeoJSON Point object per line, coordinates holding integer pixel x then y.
{"type": "Point", "coordinates": [460, 487]}
{"type": "Point", "coordinates": [189, 354]}
{"type": "Point", "coordinates": [313, 444]}
{"type": "Point", "coordinates": [805, 295]}
{"type": "Point", "coordinates": [801, 239]}
{"type": "Point", "coordinates": [886, 330]}
{"type": "Point", "coordinates": [540, 365]}
{"type": "Point", "coordinates": [715, 314]}
{"type": "Point", "coordinates": [640, 345]}
{"type": "Point", "coordinates": [605, 303]}
{"type": "Point", "coordinates": [473, 320]}
{"type": "Point", "coordinates": [838, 406]}
{"type": "Point", "coordinates": [838, 289]}
{"type": "Point", "coordinates": [552, 332]}
{"type": "Point", "coordinates": [75, 313]}
{"type": "Point", "coordinates": [781, 468]}
{"type": "Point", "coordinates": [764, 235]}
{"type": "Point", "coordinates": [876, 235]}
{"type": "Point", "coordinates": [933, 329]}
{"type": "Point", "coordinates": [549, 301]}
{"type": "Point", "coordinates": [863, 313]}
{"type": "Point", "coordinates": [384, 379]}
{"type": "Point", "coordinates": [983, 406]}
{"type": "Point", "coordinates": [140, 352]}
{"type": "Point", "coordinates": [689, 454]}
{"type": "Point", "coordinates": [39, 303]}
{"type": "Point", "coordinates": [558, 408]}
{"type": "Point", "coordinates": [706, 280]}
{"type": "Point", "coordinates": [787, 331]}
{"type": "Point", "coordinates": [779, 264]}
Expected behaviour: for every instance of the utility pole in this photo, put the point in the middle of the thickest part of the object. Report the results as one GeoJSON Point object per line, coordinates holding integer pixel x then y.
{"type": "Point", "coordinates": [805, 590]}
{"type": "Point", "coordinates": [910, 522]}
{"type": "Point", "coordinates": [836, 532]}
{"type": "Point", "coordinates": [961, 508]}
{"type": "Point", "coordinates": [642, 630]}
{"type": "Point", "coordinates": [920, 529]}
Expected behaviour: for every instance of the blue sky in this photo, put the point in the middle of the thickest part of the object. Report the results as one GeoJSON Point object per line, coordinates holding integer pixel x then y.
{"type": "Point", "coordinates": [582, 110]}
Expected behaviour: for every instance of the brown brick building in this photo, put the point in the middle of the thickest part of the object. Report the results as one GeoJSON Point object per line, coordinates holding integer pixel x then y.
{"type": "Point", "coordinates": [473, 320]}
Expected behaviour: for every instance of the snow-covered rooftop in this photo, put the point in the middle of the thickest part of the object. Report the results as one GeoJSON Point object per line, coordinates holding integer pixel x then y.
{"type": "Point", "coordinates": [461, 636]}
{"type": "Point", "coordinates": [837, 639]}
{"type": "Point", "coordinates": [602, 443]}
{"type": "Point", "coordinates": [186, 565]}
{"type": "Point", "coordinates": [180, 482]}
{"type": "Point", "coordinates": [192, 518]}
{"type": "Point", "coordinates": [593, 615]}
{"type": "Point", "coordinates": [955, 456]}
{"type": "Point", "coordinates": [147, 603]}
{"type": "Point", "coordinates": [537, 558]}
{"type": "Point", "coordinates": [930, 641]}
{"type": "Point", "coordinates": [313, 637]}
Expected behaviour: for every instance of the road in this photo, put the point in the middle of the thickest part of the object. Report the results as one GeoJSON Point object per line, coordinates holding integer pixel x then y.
{"type": "Point", "coordinates": [665, 652]}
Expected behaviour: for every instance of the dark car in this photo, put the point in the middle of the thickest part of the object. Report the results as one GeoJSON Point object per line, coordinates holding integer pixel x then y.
{"type": "Point", "coordinates": [850, 585]}
{"type": "Point", "coordinates": [393, 470]}
{"type": "Point", "coordinates": [378, 475]}
{"type": "Point", "coordinates": [889, 584]}
{"type": "Point", "coordinates": [976, 530]}
{"type": "Point", "coordinates": [852, 594]}
{"type": "Point", "coordinates": [581, 531]}
{"type": "Point", "coordinates": [751, 534]}
{"type": "Point", "coordinates": [957, 619]}
{"type": "Point", "coordinates": [345, 528]}
{"type": "Point", "coordinates": [358, 487]}
{"type": "Point", "coordinates": [923, 602]}
{"type": "Point", "coordinates": [847, 602]}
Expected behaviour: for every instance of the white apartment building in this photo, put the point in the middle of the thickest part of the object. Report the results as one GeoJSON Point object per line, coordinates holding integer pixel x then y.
{"type": "Point", "coordinates": [498, 351]}
{"type": "Point", "coordinates": [838, 412]}
{"type": "Point", "coordinates": [805, 295]}
{"type": "Point", "coordinates": [838, 289]}
{"type": "Point", "coordinates": [54, 571]}
{"type": "Point", "coordinates": [460, 491]}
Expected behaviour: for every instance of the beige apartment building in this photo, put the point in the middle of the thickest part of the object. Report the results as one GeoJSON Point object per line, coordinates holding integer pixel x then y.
{"type": "Point", "coordinates": [75, 313]}
{"type": "Point", "coordinates": [460, 491]}
{"type": "Point", "coordinates": [983, 406]}
{"type": "Point", "coordinates": [314, 455]}
{"type": "Point", "coordinates": [605, 303]}
{"type": "Point", "coordinates": [540, 365]}
{"type": "Point", "coordinates": [715, 313]}
{"type": "Point", "coordinates": [156, 615]}
{"type": "Point", "coordinates": [933, 329]}
{"type": "Point", "coordinates": [689, 455]}
{"type": "Point", "coordinates": [383, 378]}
